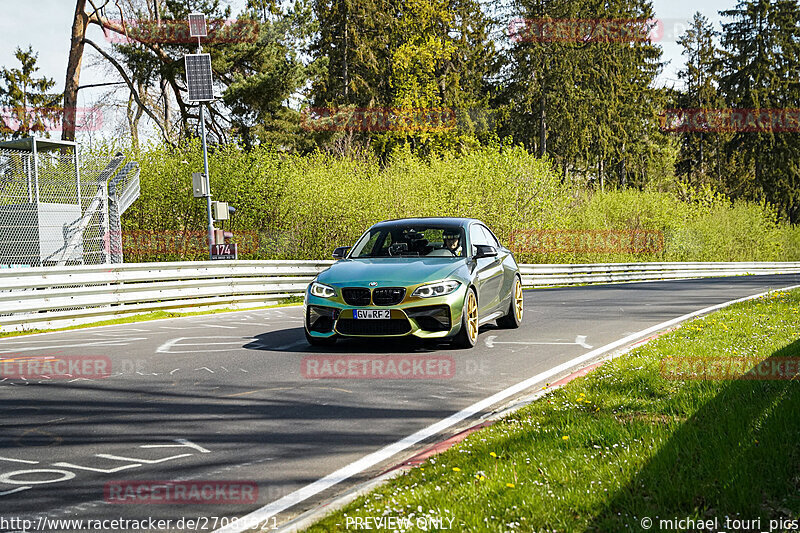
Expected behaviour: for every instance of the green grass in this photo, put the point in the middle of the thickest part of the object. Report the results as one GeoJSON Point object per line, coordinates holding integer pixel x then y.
{"type": "Point", "coordinates": [625, 443]}
{"type": "Point", "coordinates": [155, 315]}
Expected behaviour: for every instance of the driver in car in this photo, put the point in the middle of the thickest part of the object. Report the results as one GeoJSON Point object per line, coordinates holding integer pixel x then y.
{"type": "Point", "coordinates": [452, 242]}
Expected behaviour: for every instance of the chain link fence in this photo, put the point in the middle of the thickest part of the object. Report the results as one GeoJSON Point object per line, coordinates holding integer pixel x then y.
{"type": "Point", "coordinates": [56, 210]}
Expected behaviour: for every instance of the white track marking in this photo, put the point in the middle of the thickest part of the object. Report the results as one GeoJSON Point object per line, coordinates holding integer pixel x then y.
{"type": "Point", "coordinates": [216, 326]}
{"type": "Point", "coordinates": [387, 452]}
{"type": "Point", "coordinates": [210, 343]}
{"type": "Point", "coordinates": [580, 340]}
{"type": "Point", "coordinates": [182, 443]}
{"type": "Point", "coordinates": [134, 460]}
{"type": "Point", "coordinates": [12, 491]}
{"type": "Point", "coordinates": [99, 470]}
{"type": "Point", "coordinates": [164, 348]}
{"type": "Point", "coordinates": [19, 461]}
{"type": "Point", "coordinates": [46, 340]}
{"type": "Point", "coordinates": [108, 342]}
{"type": "Point", "coordinates": [168, 346]}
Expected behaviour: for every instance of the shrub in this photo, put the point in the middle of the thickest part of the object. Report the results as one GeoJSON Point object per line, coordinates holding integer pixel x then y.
{"type": "Point", "coordinates": [300, 207]}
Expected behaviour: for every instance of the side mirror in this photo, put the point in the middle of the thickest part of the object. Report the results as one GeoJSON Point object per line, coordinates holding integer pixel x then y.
{"type": "Point", "coordinates": [484, 250]}
{"type": "Point", "coordinates": [340, 252]}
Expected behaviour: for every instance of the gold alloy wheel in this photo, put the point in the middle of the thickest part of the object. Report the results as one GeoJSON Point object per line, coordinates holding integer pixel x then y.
{"type": "Point", "coordinates": [518, 299]}
{"type": "Point", "coordinates": [472, 317]}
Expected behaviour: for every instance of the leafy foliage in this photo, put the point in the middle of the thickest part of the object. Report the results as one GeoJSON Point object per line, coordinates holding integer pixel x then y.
{"type": "Point", "coordinates": [300, 207]}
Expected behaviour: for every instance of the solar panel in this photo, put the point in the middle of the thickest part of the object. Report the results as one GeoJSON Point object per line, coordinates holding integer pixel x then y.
{"type": "Point", "coordinates": [198, 77]}
{"type": "Point", "coordinates": [197, 25]}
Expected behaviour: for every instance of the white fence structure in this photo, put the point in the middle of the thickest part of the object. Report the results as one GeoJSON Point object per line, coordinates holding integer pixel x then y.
{"type": "Point", "coordinates": [56, 210]}
{"type": "Point", "coordinates": [40, 298]}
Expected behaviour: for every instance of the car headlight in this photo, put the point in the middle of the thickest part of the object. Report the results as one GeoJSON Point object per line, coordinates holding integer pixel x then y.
{"type": "Point", "coordinates": [436, 289]}
{"type": "Point", "coordinates": [321, 290]}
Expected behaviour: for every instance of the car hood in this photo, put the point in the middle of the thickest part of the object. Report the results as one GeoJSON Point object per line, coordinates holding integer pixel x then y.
{"type": "Point", "coordinates": [394, 271]}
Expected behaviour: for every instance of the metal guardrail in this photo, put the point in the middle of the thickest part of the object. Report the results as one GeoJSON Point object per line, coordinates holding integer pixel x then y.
{"type": "Point", "coordinates": [39, 298]}
{"type": "Point", "coordinates": [548, 275]}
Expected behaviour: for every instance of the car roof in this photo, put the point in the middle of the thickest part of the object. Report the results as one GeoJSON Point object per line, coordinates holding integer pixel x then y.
{"type": "Point", "coordinates": [434, 221]}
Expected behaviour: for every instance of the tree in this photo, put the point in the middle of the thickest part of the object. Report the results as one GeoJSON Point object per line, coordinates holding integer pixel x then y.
{"type": "Point", "coordinates": [423, 63]}
{"type": "Point", "coordinates": [541, 80]}
{"type": "Point", "coordinates": [701, 152]}
{"type": "Point", "coordinates": [354, 40]}
{"type": "Point", "coordinates": [580, 87]}
{"type": "Point", "coordinates": [26, 106]}
{"type": "Point", "coordinates": [254, 63]}
{"type": "Point", "coordinates": [261, 77]}
{"type": "Point", "coordinates": [761, 63]}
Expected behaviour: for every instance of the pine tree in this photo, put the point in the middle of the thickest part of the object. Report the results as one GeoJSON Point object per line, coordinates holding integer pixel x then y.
{"type": "Point", "coordinates": [26, 106]}
{"type": "Point", "coordinates": [586, 99]}
{"type": "Point", "coordinates": [761, 63]}
{"type": "Point", "coordinates": [355, 40]}
{"type": "Point", "coordinates": [701, 159]}
{"type": "Point", "coordinates": [262, 76]}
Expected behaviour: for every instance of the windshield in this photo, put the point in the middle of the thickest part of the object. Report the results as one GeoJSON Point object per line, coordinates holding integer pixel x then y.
{"type": "Point", "coordinates": [405, 240]}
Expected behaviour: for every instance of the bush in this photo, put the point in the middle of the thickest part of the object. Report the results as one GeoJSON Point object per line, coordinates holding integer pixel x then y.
{"type": "Point", "coordinates": [301, 207]}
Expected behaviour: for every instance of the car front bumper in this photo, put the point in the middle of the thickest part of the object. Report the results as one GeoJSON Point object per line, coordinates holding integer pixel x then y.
{"type": "Point", "coordinates": [426, 318]}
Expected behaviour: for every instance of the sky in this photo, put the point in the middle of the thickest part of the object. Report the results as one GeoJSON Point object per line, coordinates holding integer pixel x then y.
{"type": "Point", "coordinates": [46, 25]}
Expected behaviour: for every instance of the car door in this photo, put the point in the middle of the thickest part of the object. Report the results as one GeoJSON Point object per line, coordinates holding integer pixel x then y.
{"type": "Point", "coordinates": [489, 271]}
{"type": "Point", "coordinates": [509, 266]}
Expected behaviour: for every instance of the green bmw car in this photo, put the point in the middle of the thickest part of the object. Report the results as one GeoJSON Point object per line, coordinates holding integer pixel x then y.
{"type": "Point", "coordinates": [433, 278]}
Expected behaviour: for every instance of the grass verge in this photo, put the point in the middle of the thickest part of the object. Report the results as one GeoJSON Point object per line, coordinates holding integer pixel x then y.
{"type": "Point", "coordinates": [145, 317]}
{"type": "Point", "coordinates": [626, 443]}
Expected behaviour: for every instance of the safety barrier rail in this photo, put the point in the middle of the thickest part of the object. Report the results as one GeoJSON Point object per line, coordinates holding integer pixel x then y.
{"type": "Point", "coordinates": [39, 298]}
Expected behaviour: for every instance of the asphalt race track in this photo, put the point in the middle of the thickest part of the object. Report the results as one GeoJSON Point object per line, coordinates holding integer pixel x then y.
{"type": "Point", "coordinates": [239, 396]}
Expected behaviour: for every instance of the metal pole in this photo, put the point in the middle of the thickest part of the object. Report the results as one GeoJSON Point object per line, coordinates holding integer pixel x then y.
{"type": "Point", "coordinates": [35, 172]}
{"type": "Point", "coordinates": [205, 167]}
{"type": "Point", "coordinates": [208, 181]}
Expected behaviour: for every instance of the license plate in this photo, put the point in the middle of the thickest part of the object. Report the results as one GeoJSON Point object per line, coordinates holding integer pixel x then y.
{"type": "Point", "coordinates": [372, 314]}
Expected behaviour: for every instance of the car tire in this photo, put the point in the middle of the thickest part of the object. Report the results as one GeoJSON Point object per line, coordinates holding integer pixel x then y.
{"type": "Point", "coordinates": [467, 336]}
{"type": "Point", "coordinates": [319, 341]}
{"type": "Point", "coordinates": [513, 317]}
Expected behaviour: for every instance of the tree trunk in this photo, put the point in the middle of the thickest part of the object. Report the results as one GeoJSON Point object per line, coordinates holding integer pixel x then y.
{"type": "Point", "coordinates": [542, 128]}
{"type": "Point", "coordinates": [345, 74]}
{"type": "Point", "coordinates": [74, 71]}
{"type": "Point", "coordinates": [164, 92]}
